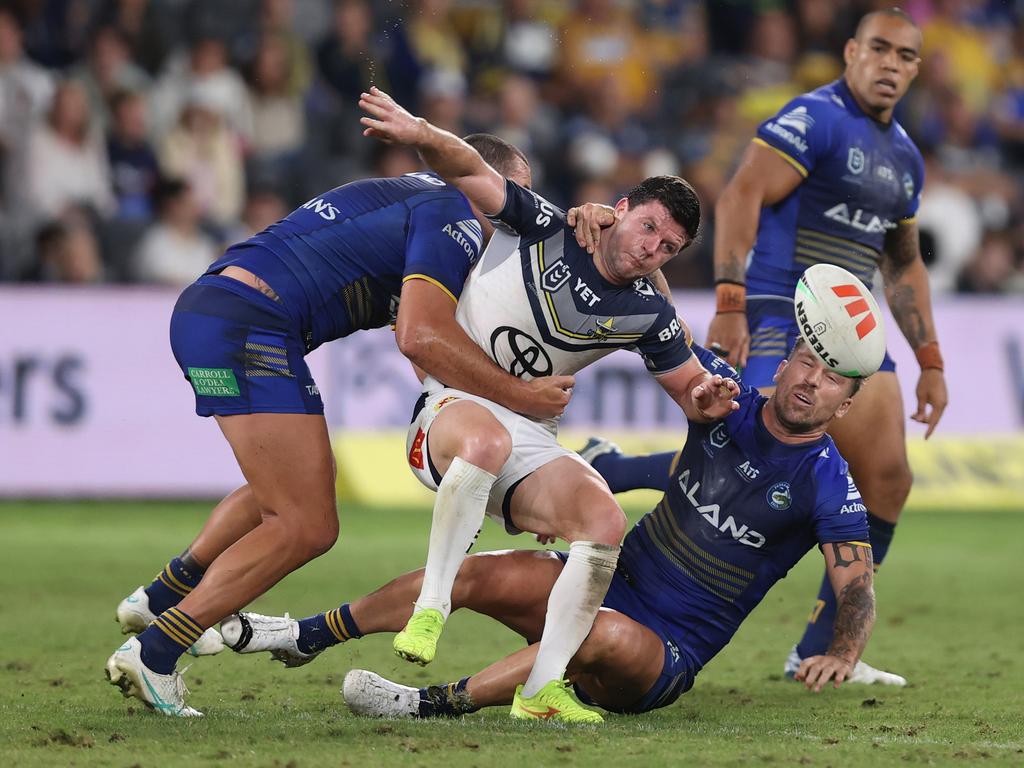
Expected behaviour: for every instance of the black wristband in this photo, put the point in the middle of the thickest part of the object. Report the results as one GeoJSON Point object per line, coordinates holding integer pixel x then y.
{"type": "Point", "coordinates": [726, 281]}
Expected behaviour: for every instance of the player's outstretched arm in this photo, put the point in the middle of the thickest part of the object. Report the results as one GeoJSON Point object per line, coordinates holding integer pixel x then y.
{"type": "Point", "coordinates": [909, 296]}
{"type": "Point", "coordinates": [447, 154]}
{"type": "Point", "coordinates": [428, 334]}
{"type": "Point", "coordinates": [763, 178]}
{"type": "Point", "coordinates": [850, 569]}
{"type": "Point", "coordinates": [702, 396]}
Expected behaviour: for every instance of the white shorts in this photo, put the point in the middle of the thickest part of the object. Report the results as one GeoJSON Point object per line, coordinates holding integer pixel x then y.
{"type": "Point", "coordinates": [534, 444]}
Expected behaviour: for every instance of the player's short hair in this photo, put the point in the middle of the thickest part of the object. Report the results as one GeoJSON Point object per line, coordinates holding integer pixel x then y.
{"type": "Point", "coordinates": [892, 13]}
{"type": "Point", "coordinates": [503, 157]}
{"type": "Point", "coordinates": [677, 195]}
{"type": "Point", "coordinates": [858, 381]}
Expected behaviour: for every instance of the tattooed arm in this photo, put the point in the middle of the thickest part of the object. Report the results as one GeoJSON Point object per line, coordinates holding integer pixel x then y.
{"type": "Point", "coordinates": [850, 567]}
{"type": "Point", "coordinates": [909, 297]}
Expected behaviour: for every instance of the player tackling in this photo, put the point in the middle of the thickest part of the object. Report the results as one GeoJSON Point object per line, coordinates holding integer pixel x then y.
{"type": "Point", "coordinates": [749, 495]}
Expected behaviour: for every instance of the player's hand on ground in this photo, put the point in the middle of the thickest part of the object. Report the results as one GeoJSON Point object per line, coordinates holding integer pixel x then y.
{"type": "Point", "coordinates": [816, 671]}
{"type": "Point", "coordinates": [589, 219]}
{"type": "Point", "coordinates": [548, 396]}
{"type": "Point", "coordinates": [388, 120]}
{"type": "Point", "coordinates": [714, 398]}
{"type": "Point", "coordinates": [729, 331]}
{"type": "Point", "coordinates": [931, 393]}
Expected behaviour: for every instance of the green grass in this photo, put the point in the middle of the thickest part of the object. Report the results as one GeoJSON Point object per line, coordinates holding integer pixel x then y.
{"type": "Point", "coordinates": [950, 619]}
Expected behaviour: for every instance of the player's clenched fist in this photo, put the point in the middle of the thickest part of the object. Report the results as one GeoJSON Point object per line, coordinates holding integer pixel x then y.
{"type": "Point", "coordinates": [548, 396]}
{"type": "Point", "coordinates": [714, 397]}
{"type": "Point", "coordinates": [388, 120]}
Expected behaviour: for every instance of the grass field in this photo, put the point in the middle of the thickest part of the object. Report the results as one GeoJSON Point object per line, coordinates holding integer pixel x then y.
{"type": "Point", "coordinates": [950, 619]}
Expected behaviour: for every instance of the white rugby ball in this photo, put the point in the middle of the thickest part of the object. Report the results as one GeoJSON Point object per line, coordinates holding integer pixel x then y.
{"type": "Point", "coordinates": [840, 320]}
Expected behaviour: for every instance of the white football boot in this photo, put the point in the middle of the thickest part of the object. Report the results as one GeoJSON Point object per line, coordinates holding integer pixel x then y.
{"type": "Point", "coordinates": [863, 672]}
{"type": "Point", "coordinates": [133, 615]}
{"type": "Point", "coordinates": [161, 693]}
{"type": "Point", "coordinates": [371, 695]}
{"type": "Point", "coordinates": [253, 633]}
{"type": "Point", "coordinates": [597, 446]}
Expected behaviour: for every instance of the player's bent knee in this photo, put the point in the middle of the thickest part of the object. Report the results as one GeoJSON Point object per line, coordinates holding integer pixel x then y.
{"type": "Point", "coordinates": [488, 449]}
{"type": "Point", "coordinates": [610, 640]}
{"type": "Point", "coordinates": [308, 541]}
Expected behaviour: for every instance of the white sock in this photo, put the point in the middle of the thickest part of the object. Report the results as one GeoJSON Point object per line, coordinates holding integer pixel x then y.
{"type": "Point", "coordinates": [572, 608]}
{"type": "Point", "coordinates": [458, 514]}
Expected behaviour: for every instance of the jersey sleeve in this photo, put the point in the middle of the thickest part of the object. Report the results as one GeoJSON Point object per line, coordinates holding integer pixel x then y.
{"type": "Point", "coordinates": [443, 244]}
{"type": "Point", "coordinates": [913, 183]}
{"type": "Point", "coordinates": [840, 514]}
{"type": "Point", "coordinates": [527, 214]}
{"type": "Point", "coordinates": [663, 347]}
{"type": "Point", "coordinates": [801, 132]}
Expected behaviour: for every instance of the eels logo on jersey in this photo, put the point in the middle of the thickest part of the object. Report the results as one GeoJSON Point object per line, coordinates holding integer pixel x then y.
{"type": "Point", "coordinates": [779, 496]}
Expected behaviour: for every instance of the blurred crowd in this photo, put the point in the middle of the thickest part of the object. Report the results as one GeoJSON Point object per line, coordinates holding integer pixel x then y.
{"type": "Point", "coordinates": [138, 138]}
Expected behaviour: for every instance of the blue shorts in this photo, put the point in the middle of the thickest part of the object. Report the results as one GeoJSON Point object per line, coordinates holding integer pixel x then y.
{"type": "Point", "coordinates": [773, 331]}
{"type": "Point", "coordinates": [678, 670]}
{"type": "Point", "coordinates": [241, 351]}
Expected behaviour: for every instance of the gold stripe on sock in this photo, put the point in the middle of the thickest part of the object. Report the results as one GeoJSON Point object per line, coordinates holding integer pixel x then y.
{"type": "Point", "coordinates": [177, 582]}
{"type": "Point", "coordinates": [336, 626]}
{"type": "Point", "coordinates": [185, 628]}
{"type": "Point", "coordinates": [187, 621]}
{"type": "Point", "coordinates": [171, 632]}
{"type": "Point", "coordinates": [162, 578]}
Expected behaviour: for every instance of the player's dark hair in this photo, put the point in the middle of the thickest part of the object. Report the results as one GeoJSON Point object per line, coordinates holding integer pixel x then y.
{"type": "Point", "coordinates": [503, 157]}
{"type": "Point", "coordinates": [892, 13]}
{"type": "Point", "coordinates": [858, 381]}
{"type": "Point", "coordinates": [677, 195]}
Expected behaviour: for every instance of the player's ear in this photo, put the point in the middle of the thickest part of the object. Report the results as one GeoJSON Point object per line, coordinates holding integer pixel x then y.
{"type": "Point", "coordinates": [843, 408]}
{"type": "Point", "coordinates": [850, 51]}
{"type": "Point", "coordinates": [621, 207]}
{"type": "Point", "coordinates": [779, 370]}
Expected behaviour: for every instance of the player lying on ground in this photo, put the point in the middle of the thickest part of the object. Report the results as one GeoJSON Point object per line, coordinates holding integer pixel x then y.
{"type": "Point", "coordinates": [538, 304]}
{"type": "Point", "coordinates": [360, 256]}
{"type": "Point", "coordinates": [750, 495]}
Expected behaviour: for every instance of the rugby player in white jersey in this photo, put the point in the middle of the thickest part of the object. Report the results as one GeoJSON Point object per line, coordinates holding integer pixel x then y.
{"type": "Point", "coordinates": [540, 305]}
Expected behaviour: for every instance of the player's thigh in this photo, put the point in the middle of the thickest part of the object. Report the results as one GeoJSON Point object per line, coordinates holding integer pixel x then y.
{"type": "Point", "coordinates": [287, 461]}
{"type": "Point", "coordinates": [872, 439]}
{"type": "Point", "coordinates": [568, 499]}
{"type": "Point", "coordinates": [620, 662]}
{"type": "Point", "coordinates": [510, 586]}
{"type": "Point", "coordinates": [467, 429]}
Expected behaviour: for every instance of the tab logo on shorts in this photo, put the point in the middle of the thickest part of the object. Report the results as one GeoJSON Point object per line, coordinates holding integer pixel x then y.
{"type": "Point", "coordinates": [214, 382]}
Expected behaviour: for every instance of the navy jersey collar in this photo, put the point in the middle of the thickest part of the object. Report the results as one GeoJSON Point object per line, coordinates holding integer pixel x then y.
{"type": "Point", "coordinates": [843, 89]}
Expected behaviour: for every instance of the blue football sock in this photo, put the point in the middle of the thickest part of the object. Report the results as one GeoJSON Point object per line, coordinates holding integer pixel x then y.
{"type": "Point", "coordinates": [451, 700]}
{"type": "Point", "coordinates": [174, 582]}
{"type": "Point", "coordinates": [627, 473]}
{"type": "Point", "coordinates": [327, 629]}
{"type": "Point", "coordinates": [171, 634]}
{"type": "Point", "coordinates": [818, 634]}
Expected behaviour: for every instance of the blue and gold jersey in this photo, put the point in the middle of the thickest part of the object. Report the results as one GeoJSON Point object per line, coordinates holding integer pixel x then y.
{"type": "Point", "coordinates": [338, 262]}
{"type": "Point", "coordinates": [861, 179]}
{"type": "Point", "coordinates": [742, 509]}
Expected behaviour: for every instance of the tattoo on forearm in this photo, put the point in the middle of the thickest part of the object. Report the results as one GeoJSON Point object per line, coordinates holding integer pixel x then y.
{"type": "Point", "coordinates": [901, 250]}
{"type": "Point", "coordinates": [266, 290]}
{"type": "Point", "coordinates": [854, 618]}
{"type": "Point", "coordinates": [734, 269]}
{"type": "Point", "coordinates": [848, 553]}
{"type": "Point", "coordinates": [903, 303]}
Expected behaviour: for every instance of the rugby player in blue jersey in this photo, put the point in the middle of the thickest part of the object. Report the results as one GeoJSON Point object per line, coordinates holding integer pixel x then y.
{"type": "Point", "coordinates": [360, 256]}
{"type": "Point", "coordinates": [749, 495]}
{"type": "Point", "coordinates": [831, 178]}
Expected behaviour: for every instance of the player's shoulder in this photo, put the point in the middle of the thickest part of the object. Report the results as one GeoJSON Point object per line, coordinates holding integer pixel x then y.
{"type": "Point", "coordinates": [831, 473]}
{"type": "Point", "coordinates": [903, 139]}
{"type": "Point", "coordinates": [822, 104]}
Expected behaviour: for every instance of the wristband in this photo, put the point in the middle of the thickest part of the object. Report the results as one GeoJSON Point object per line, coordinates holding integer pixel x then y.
{"type": "Point", "coordinates": [730, 297]}
{"type": "Point", "coordinates": [929, 356]}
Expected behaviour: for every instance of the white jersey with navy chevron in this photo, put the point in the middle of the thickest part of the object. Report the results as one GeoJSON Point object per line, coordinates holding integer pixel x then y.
{"type": "Point", "coordinates": [536, 303]}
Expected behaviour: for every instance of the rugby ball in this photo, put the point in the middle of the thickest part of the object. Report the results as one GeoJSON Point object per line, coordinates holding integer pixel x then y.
{"type": "Point", "coordinates": [840, 320]}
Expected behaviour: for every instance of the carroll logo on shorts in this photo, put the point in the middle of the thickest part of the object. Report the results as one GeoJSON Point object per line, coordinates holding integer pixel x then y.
{"type": "Point", "coordinates": [215, 382]}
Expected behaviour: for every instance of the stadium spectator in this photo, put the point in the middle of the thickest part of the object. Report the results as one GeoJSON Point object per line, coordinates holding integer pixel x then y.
{"type": "Point", "coordinates": [66, 163]}
{"type": "Point", "coordinates": [996, 267]}
{"type": "Point", "coordinates": [134, 170]}
{"type": "Point", "coordinates": [263, 206]}
{"type": "Point", "coordinates": [108, 70]}
{"type": "Point", "coordinates": [174, 250]}
{"type": "Point", "coordinates": [66, 252]}
{"type": "Point", "coordinates": [205, 151]}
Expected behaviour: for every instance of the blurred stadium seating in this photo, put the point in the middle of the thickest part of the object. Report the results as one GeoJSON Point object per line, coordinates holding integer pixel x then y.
{"type": "Point", "coordinates": [137, 139]}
